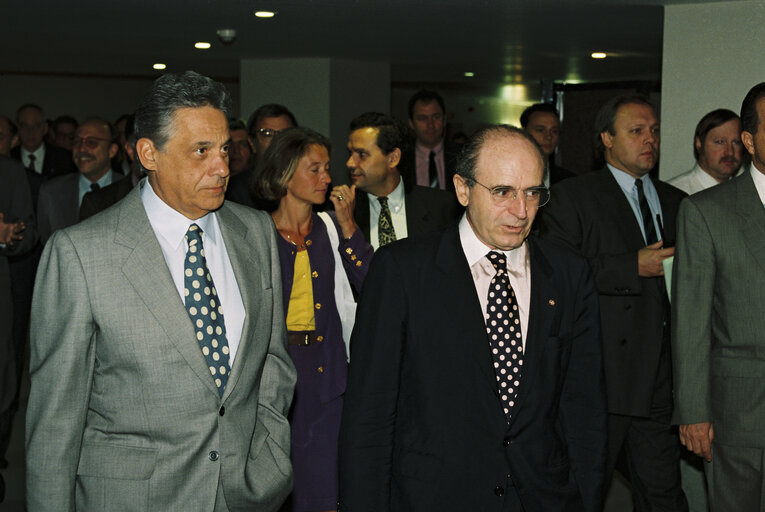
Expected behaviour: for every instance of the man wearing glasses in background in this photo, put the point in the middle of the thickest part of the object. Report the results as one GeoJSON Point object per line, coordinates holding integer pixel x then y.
{"type": "Point", "coordinates": [473, 384]}
{"type": "Point", "coordinates": [60, 198]}
{"type": "Point", "coordinates": [267, 121]}
{"type": "Point", "coordinates": [623, 222]}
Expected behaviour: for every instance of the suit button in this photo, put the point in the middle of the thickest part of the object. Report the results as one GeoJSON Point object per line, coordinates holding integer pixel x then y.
{"type": "Point", "coordinates": [213, 456]}
{"type": "Point", "coordinates": [222, 410]}
{"type": "Point", "coordinates": [317, 306]}
{"type": "Point", "coordinates": [507, 441]}
{"type": "Point", "coordinates": [319, 338]}
{"type": "Point", "coordinates": [499, 490]}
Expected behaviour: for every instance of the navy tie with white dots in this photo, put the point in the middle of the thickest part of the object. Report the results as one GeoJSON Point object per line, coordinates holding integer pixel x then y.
{"type": "Point", "coordinates": [503, 327]}
{"type": "Point", "coordinates": [205, 311]}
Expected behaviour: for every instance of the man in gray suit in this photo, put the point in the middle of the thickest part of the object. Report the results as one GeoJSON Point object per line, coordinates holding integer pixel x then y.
{"type": "Point", "coordinates": [159, 365]}
{"type": "Point", "coordinates": [718, 338]}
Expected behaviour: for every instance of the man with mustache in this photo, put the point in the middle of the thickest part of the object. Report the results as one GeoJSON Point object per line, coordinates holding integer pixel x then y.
{"type": "Point", "coordinates": [717, 148]}
{"type": "Point", "coordinates": [60, 198]}
{"type": "Point", "coordinates": [623, 222]}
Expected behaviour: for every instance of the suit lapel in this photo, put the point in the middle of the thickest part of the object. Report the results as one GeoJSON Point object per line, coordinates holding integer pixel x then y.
{"type": "Point", "coordinates": [244, 263]}
{"type": "Point", "coordinates": [361, 212]}
{"type": "Point", "coordinates": [464, 310]}
{"type": "Point", "coordinates": [752, 213]}
{"type": "Point", "coordinates": [612, 197]}
{"type": "Point", "coordinates": [542, 318]}
{"type": "Point", "coordinates": [416, 212]}
{"type": "Point", "coordinates": [147, 272]}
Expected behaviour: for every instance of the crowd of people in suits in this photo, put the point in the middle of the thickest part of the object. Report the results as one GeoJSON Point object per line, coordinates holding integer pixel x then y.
{"type": "Point", "coordinates": [460, 327]}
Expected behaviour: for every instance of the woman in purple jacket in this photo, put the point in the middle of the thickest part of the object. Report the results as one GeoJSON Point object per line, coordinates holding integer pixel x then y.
{"type": "Point", "coordinates": [294, 171]}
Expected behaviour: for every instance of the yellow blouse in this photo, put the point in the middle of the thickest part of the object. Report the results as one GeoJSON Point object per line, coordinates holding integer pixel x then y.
{"type": "Point", "coordinates": [300, 315]}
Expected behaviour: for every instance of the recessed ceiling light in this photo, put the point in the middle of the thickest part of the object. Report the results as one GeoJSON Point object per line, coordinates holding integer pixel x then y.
{"type": "Point", "coordinates": [598, 55]}
{"type": "Point", "coordinates": [265, 14]}
{"type": "Point", "coordinates": [159, 65]}
{"type": "Point", "coordinates": [469, 74]}
{"type": "Point", "coordinates": [201, 45]}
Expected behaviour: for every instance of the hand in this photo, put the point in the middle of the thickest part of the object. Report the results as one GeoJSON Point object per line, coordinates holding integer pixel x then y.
{"type": "Point", "coordinates": [650, 258]}
{"type": "Point", "coordinates": [697, 437]}
{"type": "Point", "coordinates": [343, 198]}
{"type": "Point", "coordinates": [10, 232]}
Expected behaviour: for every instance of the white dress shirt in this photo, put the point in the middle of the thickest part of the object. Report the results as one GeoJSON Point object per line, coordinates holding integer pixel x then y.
{"type": "Point", "coordinates": [170, 227]}
{"type": "Point", "coordinates": [482, 270]}
{"type": "Point", "coordinates": [39, 155]}
{"type": "Point", "coordinates": [693, 181]}
{"type": "Point", "coordinates": [759, 182]}
{"type": "Point", "coordinates": [397, 207]}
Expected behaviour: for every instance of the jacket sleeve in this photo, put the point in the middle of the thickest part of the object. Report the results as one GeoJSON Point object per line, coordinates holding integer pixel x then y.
{"type": "Point", "coordinates": [61, 368]}
{"type": "Point", "coordinates": [369, 414]}
{"type": "Point", "coordinates": [693, 278]}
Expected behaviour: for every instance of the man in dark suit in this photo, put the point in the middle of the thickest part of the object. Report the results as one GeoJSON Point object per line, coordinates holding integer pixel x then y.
{"type": "Point", "coordinates": [37, 156]}
{"type": "Point", "coordinates": [18, 235]}
{"type": "Point", "coordinates": [476, 384]}
{"type": "Point", "coordinates": [433, 158]}
{"type": "Point", "coordinates": [542, 121]}
{"type": "Point", "coordinates": [390, 209]}
{"type": "Point", "coordinates": [623, 223]}
{"type": "Point", "coordinates": [99, 200]}
{"type": "Point", "coordinates": [718, 335]}
{"type": "Point", "coordinates": [60, 198]}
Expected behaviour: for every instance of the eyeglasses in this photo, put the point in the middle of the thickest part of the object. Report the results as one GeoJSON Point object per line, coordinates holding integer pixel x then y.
{"type": "Point", "coordinates": [90, 142]}
{"type": "Point", "coordinates": [503, 195]}
{"type": "Point", "coordinates": [267, 133]}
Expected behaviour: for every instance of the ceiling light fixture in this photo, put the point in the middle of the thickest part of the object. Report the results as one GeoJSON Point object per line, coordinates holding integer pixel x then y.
{"type": "Point", "coordinates": [201, 45]}
{"type": "Point", "coordinates": [598, 55]}
{"type": "Point", "coordinates": [159, 65]}
{"type": "Point", "coordinates": [265, 14]}
{"type": "Point", "coordinates": [469, 74]}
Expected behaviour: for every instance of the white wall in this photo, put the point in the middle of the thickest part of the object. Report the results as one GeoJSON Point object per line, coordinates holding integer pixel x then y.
{"type": "Point", "coordinates": [713, 55]}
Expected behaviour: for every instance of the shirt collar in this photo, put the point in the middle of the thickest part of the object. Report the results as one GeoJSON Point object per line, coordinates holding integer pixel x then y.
{"type": "Point", "coordinates": [171, 224]}
{"type": "Point", "coordinates": [704, 178]}
{"type": "Point", "coordinates": [395, 198]}
{"type": "Point", "coordinates": [759, 182]}
{"type": "Point", "coordinates": [39, 153]}
{"type": "Point", "coordinates": [475, 250]}
{"type": "Point", "coordinates": [423, 149]}
{"type": "Point", "coordinates": [105, 180]}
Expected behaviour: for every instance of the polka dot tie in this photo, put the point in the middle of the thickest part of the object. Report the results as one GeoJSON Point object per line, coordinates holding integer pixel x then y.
{"type": "Point", "coordinates": [503, 327]}
{"type": "Point", "coordinates": [204, 309]}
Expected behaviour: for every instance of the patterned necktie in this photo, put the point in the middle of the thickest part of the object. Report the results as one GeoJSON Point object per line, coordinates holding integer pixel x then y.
{"type": "Point", "coordinates": [205, 311]}
{"type": "Point", "coordinates": [31, 165]}
{"type": "Point", "coordinates": [385, 231]}
{"type": "Point", "coordinates": [645, 212]}
{"type": "Point", "coordinates": [432, 170]}
{"type": "Point", "coordinates": [503, 327]}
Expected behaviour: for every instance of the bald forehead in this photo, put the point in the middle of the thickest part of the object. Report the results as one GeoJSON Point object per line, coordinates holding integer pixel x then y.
{"type": "Point", "coordinates": [95, 124]}
{"type": "Point", "coordinates": [504, 142]}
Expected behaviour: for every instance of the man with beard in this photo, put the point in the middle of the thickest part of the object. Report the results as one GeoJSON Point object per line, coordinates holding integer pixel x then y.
{"type": "Point", "coordinates": [60, 198]}
{"type": "Point", "coordinates": [717, 148]}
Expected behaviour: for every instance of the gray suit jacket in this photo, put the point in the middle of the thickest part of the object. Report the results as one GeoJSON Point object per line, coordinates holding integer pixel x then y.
{"type": "Point", "coordinates": [718, 331]}
{"type": "Point", "coordinates": [15, 205]}
{"type": "Point", "coordinates": [123, 412]}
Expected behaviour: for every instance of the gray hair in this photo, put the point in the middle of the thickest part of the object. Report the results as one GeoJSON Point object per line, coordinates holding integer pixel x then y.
{"type": "Point", "coordinates": [170, 92]}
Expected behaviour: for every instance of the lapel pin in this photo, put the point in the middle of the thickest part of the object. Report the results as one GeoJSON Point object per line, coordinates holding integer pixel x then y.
{"type": "Point", "coordinates": [551, 302]}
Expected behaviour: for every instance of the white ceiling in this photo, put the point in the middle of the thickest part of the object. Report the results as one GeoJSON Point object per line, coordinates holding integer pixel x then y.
{"type": "Point", "coordinates": [425, 41]}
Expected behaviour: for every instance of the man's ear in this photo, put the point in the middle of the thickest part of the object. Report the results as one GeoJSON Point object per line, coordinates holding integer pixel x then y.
{"type": "Point", "coordinates": [113, 149]}
{"type": "Point", "coordinates": [462, 189]}
{"type": "Point", "coordinates": [697, 144]}
{"type": "Point", "coordinates": [147, 153]}
{"type": "Point", "coordinates": [748, 140]}
{"type": "Point", "coordinates": [394, 158]}
{"type": "Point", "coordinates": [607, 139]}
